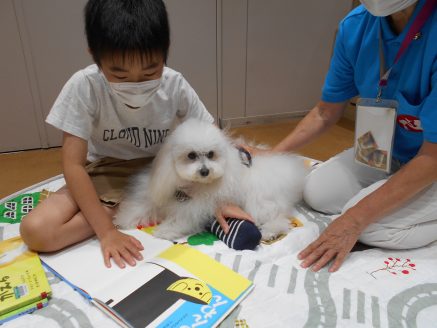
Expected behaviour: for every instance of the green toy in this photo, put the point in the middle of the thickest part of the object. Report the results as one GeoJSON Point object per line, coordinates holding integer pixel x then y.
{"type": "Point", "coordinates": [203, 238]}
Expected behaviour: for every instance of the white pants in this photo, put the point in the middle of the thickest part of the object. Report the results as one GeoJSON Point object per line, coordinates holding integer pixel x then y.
{"type": "Point", "coordinates": [340, 183]}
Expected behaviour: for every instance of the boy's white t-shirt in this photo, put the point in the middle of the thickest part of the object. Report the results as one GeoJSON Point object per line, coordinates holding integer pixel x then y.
{"type": "Point", "coordinates": [88, 108]}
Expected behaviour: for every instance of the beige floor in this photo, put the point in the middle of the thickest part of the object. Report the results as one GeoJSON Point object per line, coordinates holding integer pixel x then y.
{"type": "Point", "coordinates": [22, 169]}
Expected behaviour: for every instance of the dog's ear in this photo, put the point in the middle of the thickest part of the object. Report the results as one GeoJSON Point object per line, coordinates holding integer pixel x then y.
{"type": "Point", "coordinates": [163, 176]}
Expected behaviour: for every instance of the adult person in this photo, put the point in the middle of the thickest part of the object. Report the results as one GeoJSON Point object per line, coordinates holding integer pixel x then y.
{"type": "Point", "coordinates": [395, 209]}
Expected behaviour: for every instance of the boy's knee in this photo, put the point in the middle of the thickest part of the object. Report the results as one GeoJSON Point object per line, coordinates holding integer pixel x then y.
{"type": "Point", "coordinates": [36, 234]}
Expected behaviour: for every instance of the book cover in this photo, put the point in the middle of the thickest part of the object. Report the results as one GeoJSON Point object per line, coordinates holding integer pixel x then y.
{"type": "Point", "coordinates": [22, 277]}
{"type": "Point", "coordinates": [14, 209]}
{"type": "Point", "coordinates": [175, 286]}
{"type": "Point", "coordinates": [24, 310]}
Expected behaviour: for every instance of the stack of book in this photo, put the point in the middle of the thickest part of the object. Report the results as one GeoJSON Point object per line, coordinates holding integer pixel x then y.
{"type": "Point", "coordinates": [24, 287]}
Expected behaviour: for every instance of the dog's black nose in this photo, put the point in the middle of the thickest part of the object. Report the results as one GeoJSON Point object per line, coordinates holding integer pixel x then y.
{"type": "Point", "coordinates": [204, 172]}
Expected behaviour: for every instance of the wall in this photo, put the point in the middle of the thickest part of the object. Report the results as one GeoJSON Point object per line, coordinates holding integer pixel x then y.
{"type": "Point", "coordinates": [247, 59]}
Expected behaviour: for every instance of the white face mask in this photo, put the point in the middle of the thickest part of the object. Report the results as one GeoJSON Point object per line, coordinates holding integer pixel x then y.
{"type": "Point", "coordinates": [135, 94]}
{"type": "Point", "coordinates": [386, 7]}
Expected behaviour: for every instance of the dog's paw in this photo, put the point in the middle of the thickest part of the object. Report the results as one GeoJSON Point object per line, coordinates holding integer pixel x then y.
{"type": "Point", "coordinates": [123, 223]}
{"type": "Point", "coordinates": [127, 220]}
{"type": "Point", "coordinates": [268, 235]}
{"type": "Point", "coordinates": [273, 229]}
{"type": "Point", "coordinates": [166, 231]}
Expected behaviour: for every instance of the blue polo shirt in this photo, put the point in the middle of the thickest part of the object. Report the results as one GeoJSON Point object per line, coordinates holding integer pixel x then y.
{"type": "Point", "coordinates": [354, 70]}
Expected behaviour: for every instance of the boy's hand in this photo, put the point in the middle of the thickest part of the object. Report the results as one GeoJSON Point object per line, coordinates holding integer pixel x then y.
{"type": "Point", "coordinates": [230, 211]}
{"type": "Point", "coordinates": [121, 247]}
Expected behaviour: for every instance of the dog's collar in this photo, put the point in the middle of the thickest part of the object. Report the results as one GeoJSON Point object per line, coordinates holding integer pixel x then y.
{"type": "Point", "coordinates": [181, 196]}
{"type": "Point", "coordinates": [246, 158]}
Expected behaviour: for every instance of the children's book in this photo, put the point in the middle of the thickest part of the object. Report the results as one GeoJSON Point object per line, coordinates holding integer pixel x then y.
{"type": "Point", "coordinates": [24, 310]}
{"type": "Point", "coordinates": [13, 210]}
{"type": "Point", "coordinates": [23, 282]}
{"type": "Point", "coordinates": [174, 286]}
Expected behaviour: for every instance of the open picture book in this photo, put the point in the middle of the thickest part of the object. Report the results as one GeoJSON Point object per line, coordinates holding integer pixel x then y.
{"type": "Point", "coordinates": [174, 286]}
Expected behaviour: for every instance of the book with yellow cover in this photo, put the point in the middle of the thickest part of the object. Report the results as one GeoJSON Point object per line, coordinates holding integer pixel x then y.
{"type": "Point", "coordinates": [24, 310]}
{"type": "Point", "coordinates": [22, 277]}
{"type": "Point", "coordinates": [174, 286]}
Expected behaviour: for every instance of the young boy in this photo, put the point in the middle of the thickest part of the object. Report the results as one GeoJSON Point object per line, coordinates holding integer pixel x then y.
{"type": "Point", "coordinates": [115, 114]}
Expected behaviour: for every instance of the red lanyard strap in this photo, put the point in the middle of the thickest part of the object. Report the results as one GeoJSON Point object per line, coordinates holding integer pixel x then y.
{"type": "Point", "coordinates": [418, 23]}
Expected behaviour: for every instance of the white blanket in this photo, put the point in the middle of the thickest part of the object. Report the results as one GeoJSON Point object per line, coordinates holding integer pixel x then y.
{"type": "Point", "coordinates": [373, 288]}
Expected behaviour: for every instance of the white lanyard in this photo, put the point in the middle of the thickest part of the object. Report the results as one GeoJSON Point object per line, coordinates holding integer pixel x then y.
{"type": "Point", "coordinates": [376, 118]}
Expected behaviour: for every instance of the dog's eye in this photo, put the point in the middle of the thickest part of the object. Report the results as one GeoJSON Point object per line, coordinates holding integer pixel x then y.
{"type": "Point", "coordinates": [192, 155]}
{"type": "Point", "coordinates": [210, 154]}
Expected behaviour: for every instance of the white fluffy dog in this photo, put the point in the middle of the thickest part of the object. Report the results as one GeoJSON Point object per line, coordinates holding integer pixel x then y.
{"type": "Point", "coordinates": [199, 169]}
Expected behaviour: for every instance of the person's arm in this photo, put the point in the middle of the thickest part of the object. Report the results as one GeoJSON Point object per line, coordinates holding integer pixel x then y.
{"type": "Point", "coordinates": [121, 247]}
{"type": "Point", "coordinates": [318, 120]}
{"type": "Point", "coordinates": [315, 123]}
{"type": "Point", "coordinates": [231, 211]}
{"type": "Point", "coordinates": [341, 235]}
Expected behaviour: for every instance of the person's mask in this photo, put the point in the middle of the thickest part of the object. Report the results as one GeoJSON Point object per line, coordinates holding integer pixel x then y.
{"type": "Point", "coordinates": [135, 94]}
{"type": "Point", "coordinates": [386, 7]}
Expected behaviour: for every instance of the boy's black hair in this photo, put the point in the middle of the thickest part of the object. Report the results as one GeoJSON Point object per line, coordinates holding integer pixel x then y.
{"type": "Point", "coordinates": [128, 27]}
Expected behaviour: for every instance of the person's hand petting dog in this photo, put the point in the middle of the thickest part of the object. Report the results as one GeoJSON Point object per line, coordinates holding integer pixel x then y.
{"type": "Point", "coordinates": [334, 243]}
{"type": "Point", "coordinates": [255, 151]}
{"type": "Point", "coordinates": [121, 247]}
{"type": "Point", "coordinates": [230, 211]}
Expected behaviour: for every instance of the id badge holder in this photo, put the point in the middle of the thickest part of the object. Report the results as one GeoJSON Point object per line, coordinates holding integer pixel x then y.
{"type": "Point", "coordinates": [374, 132]}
